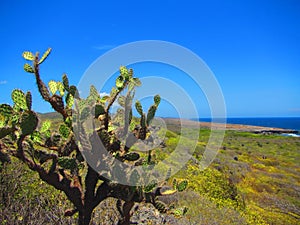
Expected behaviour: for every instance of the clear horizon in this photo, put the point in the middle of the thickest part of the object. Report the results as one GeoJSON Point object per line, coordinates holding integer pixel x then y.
{"type": "Point", "coordinates": [252, 47]}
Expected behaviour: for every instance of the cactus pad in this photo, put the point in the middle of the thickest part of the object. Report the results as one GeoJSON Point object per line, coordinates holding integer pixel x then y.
{"type": "Point", "coordinates": [151, 114]}
{"type": "Point", "coordinates": [67, 163]}
{"type": "Point", "coordinates": [52, 86]}
{"type": "Point", "coordinates": [29, 122]}
{"type": "Point", "coordinates": [28, 68]}
{"type": "Point", "coordinates": [6, 110]}
{"type": "Point", "coordinates": [69, 100]}
{"type": "Point", "coordinates": [124, 72]}
{"type": "Point", "coordinates": [64, 131]}
{"type": "Point", "coordinates": [136, 81]}
{"type": "Point", "coordinates": [139, 107]}
{"type": "Point", "coordinates": [160, 206]}
{"type": "Point", "coordinates": [19, 99]}
{"type": "Point", "coordinates": [120, 82]}
{"type": "Point", "coordinates": [45, 126]}
{"type": "Point", "coordinates": [60, 88]}
{"type": "Point", "coordinates": [45, 55]}
{"type": "Point", "coordinates": [99, 110]}
{"type": "Point", "coordinates": [28, 55]}
{"type": "Point", "coordinates": [4, 131]}
{"type": "Point", "coordinates": [65, 82]}
{"type": "Point", "coordinates": [182, 185]}
{"type": "Point", "coordinates": [150, 187]}
{"type": "Point", "coordinates": [156, 100]}
{"type": "Point", "coordinates": [28, 100]}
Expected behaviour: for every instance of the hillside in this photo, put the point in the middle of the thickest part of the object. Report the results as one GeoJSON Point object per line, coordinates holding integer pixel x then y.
{"type": "Point", "coordinates": [253, 180]}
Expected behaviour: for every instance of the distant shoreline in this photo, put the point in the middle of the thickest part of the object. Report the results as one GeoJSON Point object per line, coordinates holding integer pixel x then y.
{"type": "Point", "coordinates": [237, 127]}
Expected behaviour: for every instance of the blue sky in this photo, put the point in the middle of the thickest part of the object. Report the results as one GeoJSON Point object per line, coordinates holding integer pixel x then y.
{"type": "Point", "coordinates": [252, 47]}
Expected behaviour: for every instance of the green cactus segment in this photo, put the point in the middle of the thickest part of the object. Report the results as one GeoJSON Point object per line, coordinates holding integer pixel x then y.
{"type": "Point", "coordinates": [182, 185]}
{"type": "Point", "coordinates": [160, 206]}
{"type": "Point", "coordinates": [36, 137]}
{"type": "Point", "coordinates": [60, 88]}
{"type": "Point", "coordinates": [124, 72]}
{"type": "Point", "coordinates": [68, 121]}
{"type": "Point", "coordinates": [151, 114]}
{"type": "Point", "coordinates": [104, 99]}
{"type": "Point", "coordinates": [19, 99]}
{"type": "Point", "coordinates": [69, 100]}
{"type": "Point", "coordinates": [28, 55]}
{"type": "Point", "coordinates": [143, 121]}
{"type": "Point", "coordinates": [4, 131]}
{"type": "Point", "coordinates": [121, 100]}
{"type": "Point", "coordinates": [99, 110]}
{"type": "Point", "coordinates": [45, 55]}
{"type": "Point", "coordinates": [67, 163]}
{"type": "Point", "coordinates": [28, 68]}
{"type": "Point", "coordinates": [45, 126]}
{"type": "Point", "coordinates": [65, 82]}
{"type": "Point", "coordinates": [136, 82]}
{"type": "Point", "coordinates": [139, 107]}
{"type": "Point", "coordinates": [28, 100]}
{"type": "Point", "coordinates": [120, 82]}
{"type": "Point", "coordinates": [150, 187]}
{"type": "Point", "coordinates": [174, 184]}
{"type": "Point", "coordinates": [15, 118]}
{"type": "Point", "coordinates": [6, 110]}
{"type": "Point", "coordinates": [157, 100]}
{"type": "Point", "coordinates": [64, 131]}
{"type": "Point", "coordinates": [132, 156]}
{"type": "Point", "coordinates": [73, 91]}
{"type": "Point", "coordinates": [94, 95]}
{"type": "Point", "coordinates": [29, 122]}
{"type": "Point", "coordinates": [52, 86]}
{"type": "Point", "coordinates": [113, 91]}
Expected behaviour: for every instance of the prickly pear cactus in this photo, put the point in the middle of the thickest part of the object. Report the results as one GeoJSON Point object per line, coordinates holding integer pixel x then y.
{"type": "Point", "coordinates": [45, 55]}
{"type": "Point", "coordinates": [29, 122]}
{"type": "Point", "coordinates": [19, 99]}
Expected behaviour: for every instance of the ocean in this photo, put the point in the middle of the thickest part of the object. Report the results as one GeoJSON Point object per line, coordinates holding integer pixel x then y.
{"type": "Point", "coordinates": [292, 123]}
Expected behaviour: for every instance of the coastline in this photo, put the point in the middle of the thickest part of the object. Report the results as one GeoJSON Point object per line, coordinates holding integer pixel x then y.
{"type": "Point", "coordinates": [236, 127]}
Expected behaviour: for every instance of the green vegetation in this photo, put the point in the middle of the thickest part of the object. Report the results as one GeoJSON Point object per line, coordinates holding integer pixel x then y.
{"type": "Point", "coordinates": [255, 178]}
{"type": "Point", "coordinates": [53, 151]}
